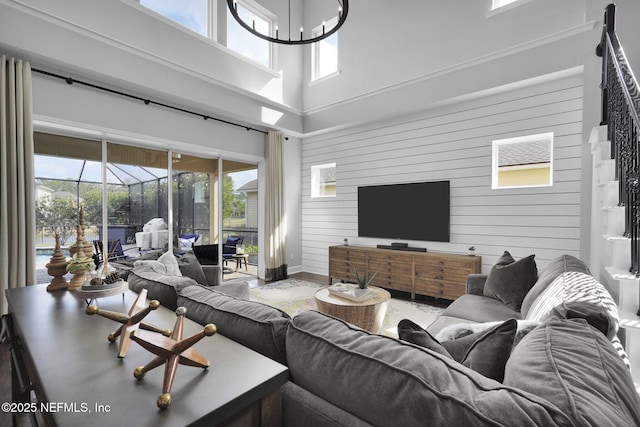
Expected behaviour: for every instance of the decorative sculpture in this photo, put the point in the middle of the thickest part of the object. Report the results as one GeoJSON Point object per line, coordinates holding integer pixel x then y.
{"type": "Point", "coordinates": [81, 241]}
{"type": "Point", "coordinates": [57, 268]}
{"type": "Point", "coordinates": [172, 351]}
{"type": "Point", "coordinates": [81, 251]}
{"type": "Point", "coordinates": [130, 322]}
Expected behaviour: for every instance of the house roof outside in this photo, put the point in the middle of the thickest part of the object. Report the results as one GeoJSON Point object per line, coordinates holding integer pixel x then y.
{"type": "Point", "coordinates": [249, 187]}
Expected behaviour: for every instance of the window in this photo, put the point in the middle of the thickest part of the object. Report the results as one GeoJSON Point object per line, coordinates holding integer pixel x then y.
{"type": "Point", "coordinates": [191, 14]}
{"type": "Point", "coordinates": [525, 161]}
{"type": "Point", "coordinates": [499, 3]}
{"type": "Point", "coordinates": [139, 181]}
{"type": "Point", "coordinates": [323, 180]}
{"type": "Point", "coordinates": [245, 43]}
{"type": "Point", "coordinates": [324, 54]}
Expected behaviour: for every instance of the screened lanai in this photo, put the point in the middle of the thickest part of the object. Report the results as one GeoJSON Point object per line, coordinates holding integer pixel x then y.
{"type": "Point", "coordinates": [69, 173]}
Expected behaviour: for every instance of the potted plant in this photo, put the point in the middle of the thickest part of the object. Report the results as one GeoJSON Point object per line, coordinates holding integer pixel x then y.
{"type": "Point", "coordinates": [363, 281]}
{"type": "Point", "coordinates": [79, 266]}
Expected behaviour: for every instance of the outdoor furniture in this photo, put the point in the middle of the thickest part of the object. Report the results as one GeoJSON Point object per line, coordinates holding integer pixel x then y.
{"type": "Point", "coordinates": [115, 251]}
{"type": "Point", "coordinates": [154, 235]}
{"type": "Point", "coordinates": [230, 247]}
{"type": "Point", "coordinates": [186, 241]}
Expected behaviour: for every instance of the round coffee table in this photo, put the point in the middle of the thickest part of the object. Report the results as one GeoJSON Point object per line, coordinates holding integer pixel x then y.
{"type": "Point", "coordinates": [368, 315]}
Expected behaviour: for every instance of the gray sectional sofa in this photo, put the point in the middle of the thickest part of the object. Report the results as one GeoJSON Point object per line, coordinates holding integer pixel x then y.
{"type": "Point", "coordinates": [564, 372]}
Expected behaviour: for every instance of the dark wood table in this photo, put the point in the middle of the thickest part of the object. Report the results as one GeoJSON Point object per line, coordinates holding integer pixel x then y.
{"type": "Point", "coordinates": [76, 371]}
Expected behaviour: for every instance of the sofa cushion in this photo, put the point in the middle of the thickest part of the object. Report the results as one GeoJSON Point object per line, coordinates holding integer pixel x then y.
{"type": "Point", "coordinates": [510, 280]}
{"type": "Point", "coordinates": [575, 287]}
{"type": "Point", "coordinates": [573, 365]}
{"type": "Point", "coordinates": [561, 264]}
{"type": "Point", "coordinates": [252, 324]}
{"type": "Point", "coordinates": [171, 263]}
{"type": "Point", "coordinates": [485, 352]}
{"type": "Point", "coordinates": [459, 330]}
{"type": "Point", "coordinates": [480, 309]}
{"type": "Point", "coordinates": [385, 381]}
{"type": "Point", "coordinates": [190, 266]}
{"type": "Point", "coordinates": [411, 332]}
{"type": "Point", "coordinates": [159, 286]}
{"type": "Point", "coordinates": [595, 315]}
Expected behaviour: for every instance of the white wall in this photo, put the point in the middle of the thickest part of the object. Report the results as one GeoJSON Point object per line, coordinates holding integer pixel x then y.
{"type": "Point", "coordinates": [122, 45]}
{"type": "Point", "coordinates": [454, 143]}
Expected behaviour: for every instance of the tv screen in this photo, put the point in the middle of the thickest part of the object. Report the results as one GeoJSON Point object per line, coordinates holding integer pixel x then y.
{"type": "Point", "coordinates": [415, 211]}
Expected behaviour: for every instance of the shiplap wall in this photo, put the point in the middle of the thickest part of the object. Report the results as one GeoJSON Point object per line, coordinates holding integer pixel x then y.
{"type": "Point", "coordinates": [454, 143]}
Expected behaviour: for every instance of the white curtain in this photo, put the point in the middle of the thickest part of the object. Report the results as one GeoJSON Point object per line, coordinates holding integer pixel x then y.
{"type": "Point", "coordinates": [275, 215]}
{"type": "Point", "coordinates": [17, 208]}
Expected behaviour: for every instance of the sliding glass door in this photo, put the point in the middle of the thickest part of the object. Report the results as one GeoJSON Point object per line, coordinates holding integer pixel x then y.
{"type": "Point", "coordinates": [122, 194]}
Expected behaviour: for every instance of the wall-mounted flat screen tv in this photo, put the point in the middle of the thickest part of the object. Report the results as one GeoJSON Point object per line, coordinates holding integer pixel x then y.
{"type": "Point", "coordinates": [414, 211]}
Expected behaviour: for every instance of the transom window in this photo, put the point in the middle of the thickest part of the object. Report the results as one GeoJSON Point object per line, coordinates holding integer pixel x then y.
{"type": "Point", "coordinates": [199, 17]}
{"type": "Point", "coordinates": [324, 54]}
{"type": "Point", "coordinates": [191, 14]}
{"type": "Point", "coordinates": [499, 3]}
{"type": "Point", "coordinates": [245, 43]}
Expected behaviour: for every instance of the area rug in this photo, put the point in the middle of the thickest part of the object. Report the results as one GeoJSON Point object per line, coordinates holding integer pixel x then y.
{"type": "Point", "coordinates": [294, 296]}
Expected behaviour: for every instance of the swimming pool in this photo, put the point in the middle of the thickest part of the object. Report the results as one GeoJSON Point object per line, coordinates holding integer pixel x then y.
{"type": "Point", "coordinates": [43, 256]}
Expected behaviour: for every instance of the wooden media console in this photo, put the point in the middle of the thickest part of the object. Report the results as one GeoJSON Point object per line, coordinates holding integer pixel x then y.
{"type": "Point", "coordinates": [434, 274]}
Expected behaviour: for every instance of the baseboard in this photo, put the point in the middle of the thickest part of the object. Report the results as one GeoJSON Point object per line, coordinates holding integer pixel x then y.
{"type": "Point", "coordinates": [294, 269]}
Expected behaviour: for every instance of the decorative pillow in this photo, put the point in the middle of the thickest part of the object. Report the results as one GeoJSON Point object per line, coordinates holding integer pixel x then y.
{"type": "Point", "coordinates": [171, 263]}
{"type": "Point", "coordinates": [413, 333]}
{"type": "Point", "coordinates": [460, 330]}
{"type": "Point", "coordinates": [576, 287]}
{"type": "Point", "coordinates": [510, 280]}
{"type": "Point", "coordinates": [190, 267]}
{"type": "Point", "coordinates": [485, 352]}
{"type": "Point", "coordinates": [570, 364]}
{"type": "Point", "coordinates": [154, 265]}
{"type": "Point", "coordinates": [594, 315]}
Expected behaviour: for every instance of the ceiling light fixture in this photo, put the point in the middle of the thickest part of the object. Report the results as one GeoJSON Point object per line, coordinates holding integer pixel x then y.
{"type": "Point", "coordinates": [343, 9]}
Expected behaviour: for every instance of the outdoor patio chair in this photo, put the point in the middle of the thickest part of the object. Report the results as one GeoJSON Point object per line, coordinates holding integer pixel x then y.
{"type": "Point", "coordinates": [186, 241]}
{"type": "Point", "coordinates": [230, 247]}
{"type": "Point", "coordinates": [115, 251]}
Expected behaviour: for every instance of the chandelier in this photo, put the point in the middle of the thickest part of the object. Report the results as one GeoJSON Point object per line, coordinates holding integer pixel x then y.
{"type": "Point", "coordinates": [343, 9]}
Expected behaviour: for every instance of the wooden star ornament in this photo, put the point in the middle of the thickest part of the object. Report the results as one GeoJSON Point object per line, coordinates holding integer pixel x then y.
{"type": "Point", "coordinates": [130, 322]}
{"type": "Point", "coordinates": [172, 351]}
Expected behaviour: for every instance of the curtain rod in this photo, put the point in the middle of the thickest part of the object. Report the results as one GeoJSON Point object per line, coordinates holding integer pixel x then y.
{"type": "Point", "coordinates": [70, 81]}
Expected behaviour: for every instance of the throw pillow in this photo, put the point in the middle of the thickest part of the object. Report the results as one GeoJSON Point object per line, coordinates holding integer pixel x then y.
{"type": "Point", "coordinates": [150, 265]}
{"type": "Point", "coordinates": [413, 333]}
{"type": "Point", "coordinates": [510, 280]}
{"type": "Point", "coordinates": [573, 287]}
{"type": "Point", "coordinates": [460, 330]}
{"type": "Point", "coordinates": [190, 267]}
{"type": "Point", "coordinates": [171, 263]}
{"type": "Point", "coordinates": [595, 316]}
{"type": "Point", "coordinates": [485, 352]}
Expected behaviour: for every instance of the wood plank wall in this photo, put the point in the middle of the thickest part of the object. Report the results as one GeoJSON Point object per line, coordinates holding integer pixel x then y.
{"type": "Point", "coordinates": [454, 143]}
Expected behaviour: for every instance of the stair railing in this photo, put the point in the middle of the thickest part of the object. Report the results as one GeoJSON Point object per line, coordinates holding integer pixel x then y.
{"type": "Point", "coordinates": [620, 111]}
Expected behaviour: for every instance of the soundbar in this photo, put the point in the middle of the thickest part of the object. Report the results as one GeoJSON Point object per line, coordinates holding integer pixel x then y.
{"type": "Point", "coordinates": [402, 248]}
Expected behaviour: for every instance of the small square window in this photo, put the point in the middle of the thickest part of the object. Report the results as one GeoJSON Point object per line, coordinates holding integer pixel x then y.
{"type": "Point", "coordinates": [525, 161]}
{"type": "Point", "coordinates": [323, 180]}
